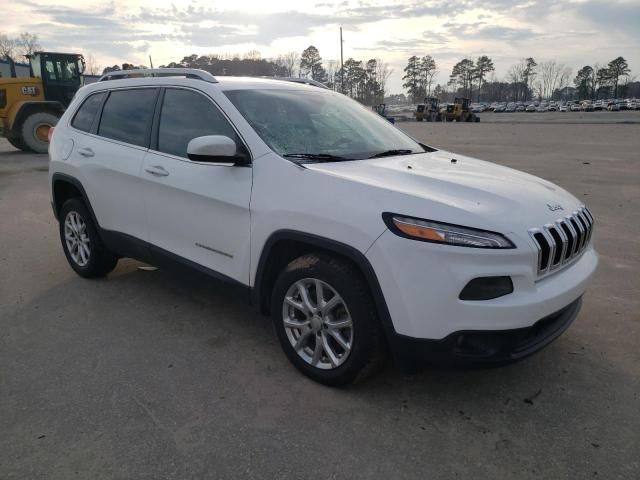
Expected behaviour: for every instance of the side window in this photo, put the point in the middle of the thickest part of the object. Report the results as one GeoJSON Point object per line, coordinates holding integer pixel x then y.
{"type": "Point", "coordinates": [186, 115]}
{"type": "Point", "coordinates": [50, 69]}
{"type": "Point", "coordinates": [127, 115]}
{"type": "Point", "coordinates": [68, 70]}
{"type": "Point", "coordinates": [83, 119]}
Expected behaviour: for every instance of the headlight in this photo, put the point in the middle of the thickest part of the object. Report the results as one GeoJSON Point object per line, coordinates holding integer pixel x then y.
{"type": "Point", "coordinates": [446, 233]}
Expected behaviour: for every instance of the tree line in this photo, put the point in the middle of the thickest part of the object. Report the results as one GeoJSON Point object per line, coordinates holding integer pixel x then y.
{"type": "Point", "coordinates": [525, 80]}
{"type": "Point", "coordinates": [365, 81]}
{"type": "Point", "coordinates": [597, 81]}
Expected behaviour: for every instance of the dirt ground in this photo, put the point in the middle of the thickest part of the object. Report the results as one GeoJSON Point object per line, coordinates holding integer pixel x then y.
{"type": "Point", "coordinates": [159, 375]}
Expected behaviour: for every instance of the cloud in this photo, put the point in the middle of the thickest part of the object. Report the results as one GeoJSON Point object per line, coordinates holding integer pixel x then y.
{"type": "Point", "coordinates": [619, 16]}
{"type": "Point", "coordinates": [486, 31]}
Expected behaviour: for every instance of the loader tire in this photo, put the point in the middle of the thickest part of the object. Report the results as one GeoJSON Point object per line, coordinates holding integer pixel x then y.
{"type": "Point", "coordinates": [34, 131]}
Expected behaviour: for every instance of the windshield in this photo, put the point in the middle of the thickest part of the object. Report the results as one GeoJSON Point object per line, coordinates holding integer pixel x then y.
{"type": "Point", "coordinates": [323, 125]}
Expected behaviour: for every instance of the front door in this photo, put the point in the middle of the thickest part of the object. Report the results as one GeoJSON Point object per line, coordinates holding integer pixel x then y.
{"type": "Point", "coordinates": [198, 211]}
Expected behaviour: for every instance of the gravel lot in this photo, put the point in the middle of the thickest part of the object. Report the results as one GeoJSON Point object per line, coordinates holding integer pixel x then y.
{"type": "Point", "coordinates": [160, 375]}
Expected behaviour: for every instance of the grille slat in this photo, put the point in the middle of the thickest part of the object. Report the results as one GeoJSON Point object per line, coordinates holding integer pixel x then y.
{"type": "Point", "coordinates": [562, 242]}
{"type": "Point", "coordinates": [557, 256]}
{"type": "Point", "coordinates": [579, 234]}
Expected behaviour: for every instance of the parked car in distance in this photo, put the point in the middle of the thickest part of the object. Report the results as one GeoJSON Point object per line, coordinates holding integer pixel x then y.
{"type": "Point", "coordinates": [563, 108]}
{"type": "Point", "coordinates": [587, 106]}
{"type": "Point", "coordinates": [511, 107]}
{"type": "Point", "coordinates": [327, 216]}
{"type": "Point", "coordinates": [576, 107]}
{"type": "Point", "coordinates": [500, 108]}
{"type": "Point", "coordinates": [520, 108]}
{"type": "Point", "coordinates": [531, 108]}
{"type": "Point", "coordinates": [613, 107]}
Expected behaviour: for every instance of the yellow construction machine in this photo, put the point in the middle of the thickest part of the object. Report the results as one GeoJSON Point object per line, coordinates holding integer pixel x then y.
{"type": "Point", "coordinates": [429, 110]}
{"type": "Point", "coordinates": [30, 106]}
{"type": "Point", "coordinates": [459, 111]}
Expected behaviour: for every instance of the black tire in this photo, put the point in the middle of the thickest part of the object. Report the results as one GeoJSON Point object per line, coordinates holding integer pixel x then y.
{"type": "Point", "coordinates": [17, 143]}
{"type": "Point", "coordinates": [28, 130]}
{"type": "Point", "coordinates": [100, 260]}
{"type": "Point", "coordinates": [367, 345]}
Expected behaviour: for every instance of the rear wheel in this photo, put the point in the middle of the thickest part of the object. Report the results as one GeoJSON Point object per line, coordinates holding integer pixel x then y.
{"type": "Point", "coordinates": [326, 321]}
{"type": "Point", "coordinates": [83, 247]}
{"type": "Point", "coordinates": [35, 130]}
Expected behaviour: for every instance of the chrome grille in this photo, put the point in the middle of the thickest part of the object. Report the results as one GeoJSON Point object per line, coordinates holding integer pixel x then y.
{"type": "Point", "coordinates": [564, 240]}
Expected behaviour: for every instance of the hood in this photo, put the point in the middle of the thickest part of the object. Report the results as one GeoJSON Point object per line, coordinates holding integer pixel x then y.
{"type": "Point", "coordinates": [480, 193]}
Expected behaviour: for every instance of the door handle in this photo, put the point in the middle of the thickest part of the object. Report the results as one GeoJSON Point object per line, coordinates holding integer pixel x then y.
{"type": "Point", "coordinates": [157, 170]}
{"type": "Point", "coordinates": [86, 152]}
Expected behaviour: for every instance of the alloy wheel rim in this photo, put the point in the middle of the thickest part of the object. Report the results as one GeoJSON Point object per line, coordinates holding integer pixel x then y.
{"type": "Point", "coordinates": [317, 323]}
{"type": "Point", "coordinates": [77, 238]}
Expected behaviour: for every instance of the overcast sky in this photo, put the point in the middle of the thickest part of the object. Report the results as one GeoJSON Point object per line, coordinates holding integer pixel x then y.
{"type": "Point", "coordinates": [573, 32]}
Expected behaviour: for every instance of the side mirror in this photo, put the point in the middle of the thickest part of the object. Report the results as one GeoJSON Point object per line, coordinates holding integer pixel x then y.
{"type": "Point", "coordinates": [215, 149]}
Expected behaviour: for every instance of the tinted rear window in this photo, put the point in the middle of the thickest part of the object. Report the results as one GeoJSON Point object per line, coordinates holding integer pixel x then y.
{"type": "Point", "coordinates": [127, 114]}
{"type": "Point", "coordinates": [85, 115]}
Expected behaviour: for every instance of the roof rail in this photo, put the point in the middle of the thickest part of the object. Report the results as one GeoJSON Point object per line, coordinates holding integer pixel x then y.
{"type": "Point", "coordinates": [160, 72]}
{"type": "Point", "coordinates": [306, 81]}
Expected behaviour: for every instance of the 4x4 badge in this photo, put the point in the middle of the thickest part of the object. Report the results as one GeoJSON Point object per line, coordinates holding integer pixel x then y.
{"type": "Point", "coordinates": [554, 206]}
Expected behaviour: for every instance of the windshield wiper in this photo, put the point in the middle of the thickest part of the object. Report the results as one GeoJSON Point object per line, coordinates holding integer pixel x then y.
{"type": "Point", "coordinates": [321, 157]}
{"type": "Point", "coordinates": [391, 153]}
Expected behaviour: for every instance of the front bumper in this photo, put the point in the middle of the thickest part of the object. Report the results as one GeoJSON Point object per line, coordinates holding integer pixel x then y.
{"type": "Point", "coordinates": [421, 283]}
{"type": "Point", "coordinates": [478, 348]}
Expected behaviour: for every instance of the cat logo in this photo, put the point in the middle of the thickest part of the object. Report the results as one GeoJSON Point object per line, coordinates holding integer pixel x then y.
{"type": "Point", "coordinates": [32, 91]}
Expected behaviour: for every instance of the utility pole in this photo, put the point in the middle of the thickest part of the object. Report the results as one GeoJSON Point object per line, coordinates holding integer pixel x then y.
{"type": "Point", "coordinates": [150, 62]}
{"type": "Point", "coordinates": [341, 64]}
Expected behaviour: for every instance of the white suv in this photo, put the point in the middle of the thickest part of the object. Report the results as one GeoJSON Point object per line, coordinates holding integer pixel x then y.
{"type": "Point", "coordinates": [353, 236]}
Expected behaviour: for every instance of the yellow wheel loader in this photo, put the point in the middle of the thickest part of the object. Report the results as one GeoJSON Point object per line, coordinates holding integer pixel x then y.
{"type": "Point", "coordinates": [459, 111]}
{"type": "Point", "coordinates": [429, 110]}
{"type": "Point", "coordinates": [30, 106]}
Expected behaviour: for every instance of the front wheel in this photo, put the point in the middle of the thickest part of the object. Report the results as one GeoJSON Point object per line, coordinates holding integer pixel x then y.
{"type": "Point", "coordinates": [326, 321]}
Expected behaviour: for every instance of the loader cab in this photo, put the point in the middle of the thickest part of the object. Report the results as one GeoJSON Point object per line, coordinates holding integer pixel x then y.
{"type": "Point", "coordinates": [61, 74]}
{"type": "Point", "coordinates": [464, 103]}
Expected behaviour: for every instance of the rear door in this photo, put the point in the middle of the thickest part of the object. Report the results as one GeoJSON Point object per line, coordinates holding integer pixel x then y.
{"type": "Point", "coordinates": [195, 210]}
{"type": "Point", "coordinates": [110, 157]}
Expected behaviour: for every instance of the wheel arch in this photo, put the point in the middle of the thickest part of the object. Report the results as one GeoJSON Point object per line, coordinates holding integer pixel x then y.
{"type": "Point", "coordinates": [64, 187]}
{"type": "Point", "coordinates": [21, 110]}
{"type": "Point", "coordinates": [283, 246]}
